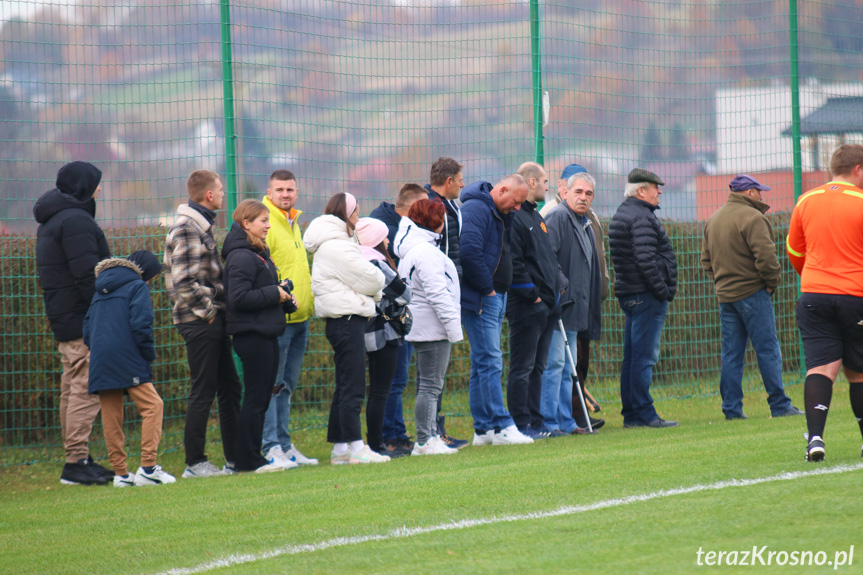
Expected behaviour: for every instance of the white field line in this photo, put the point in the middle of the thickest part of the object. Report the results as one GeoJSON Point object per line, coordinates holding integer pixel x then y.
{"type": "Point", "coordinates": [403, 532]}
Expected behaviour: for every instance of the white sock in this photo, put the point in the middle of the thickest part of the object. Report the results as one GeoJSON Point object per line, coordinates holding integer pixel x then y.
{"type": "Point", "coordinates": [340, 448]}
{"type": "Point", "coordinates": [357, 446]}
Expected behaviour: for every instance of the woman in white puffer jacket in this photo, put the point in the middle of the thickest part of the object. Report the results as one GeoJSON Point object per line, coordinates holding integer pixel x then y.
{"type": "Point", "coordinates": [435, 305]}
{"type": "Point", "coordinates": [346, 287]}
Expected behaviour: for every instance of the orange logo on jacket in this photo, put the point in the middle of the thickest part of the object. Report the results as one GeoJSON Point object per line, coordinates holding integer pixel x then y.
{"type": "Point", "coordinates": [542, 225]}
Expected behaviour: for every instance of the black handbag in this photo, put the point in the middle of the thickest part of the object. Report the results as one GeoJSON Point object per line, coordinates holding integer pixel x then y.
{"type": "Point", "coordinates": [399, 317]}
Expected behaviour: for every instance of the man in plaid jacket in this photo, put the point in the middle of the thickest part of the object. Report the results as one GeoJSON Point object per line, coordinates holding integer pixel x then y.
{"type": "Point", "coordinates": [195, 287]}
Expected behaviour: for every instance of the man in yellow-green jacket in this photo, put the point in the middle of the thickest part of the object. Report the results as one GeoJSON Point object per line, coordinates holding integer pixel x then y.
{"type": "Point", "coordinates": [285, 241]}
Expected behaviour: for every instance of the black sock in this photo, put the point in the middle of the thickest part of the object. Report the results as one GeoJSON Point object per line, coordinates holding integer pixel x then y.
{"type": "Point", "coordinates": [817, 392]}
{"type": "Point", "coordinates": [855, 391]}
{"type": "Point", "coordinates": [148, 468]}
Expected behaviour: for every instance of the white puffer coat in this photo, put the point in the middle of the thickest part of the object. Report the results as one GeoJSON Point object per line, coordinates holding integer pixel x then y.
{"type": "Point", "coordinates": [435, 291]}
{"type": "Point", "coordinates": [343, 282]}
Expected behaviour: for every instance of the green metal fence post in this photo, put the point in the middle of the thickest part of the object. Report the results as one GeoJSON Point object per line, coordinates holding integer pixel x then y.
{"type": "Point", "coordinates": [795, 98]}
{"type": "Point", "coordinates": [228, 95]}
{"type": "Point", "coordinates": [536, 75]}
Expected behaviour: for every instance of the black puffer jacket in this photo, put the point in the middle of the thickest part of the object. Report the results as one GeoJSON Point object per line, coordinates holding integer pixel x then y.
{"type": "Point", "coordinates": [452, 230]}
{"type": "Point", "coordinates": [643, 258]}
{"type": "Point", "coordinates": [251, 287]}
{"type": "Point", "coordinates": [69, 244]}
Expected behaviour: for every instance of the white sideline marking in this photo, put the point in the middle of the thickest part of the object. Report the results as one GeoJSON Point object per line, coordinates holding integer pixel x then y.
{"type": "Point", "coordinates": [403, 532]}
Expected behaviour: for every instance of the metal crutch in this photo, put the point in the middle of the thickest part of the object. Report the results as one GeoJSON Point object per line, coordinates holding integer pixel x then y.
{"type": "Point", "coordinates": [575, 381]}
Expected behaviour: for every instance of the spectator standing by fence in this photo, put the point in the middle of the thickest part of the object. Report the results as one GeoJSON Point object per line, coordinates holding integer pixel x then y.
{"type": "Point", "coordinates": [825, 245]}
{"type": "Point", "coordinates": [645, 281]}
{"type": "Point", "coordinates": [195, 285]}
{"type": "Point", "coordinates": [285, 241]}
{"type": "Point", "coordinates": [738, 251]}
{"type": "Point", "coordinates": [69, 244]}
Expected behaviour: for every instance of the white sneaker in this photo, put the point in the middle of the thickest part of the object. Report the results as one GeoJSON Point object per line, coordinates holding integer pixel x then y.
{"type": "Point", "coordinates": [342, 459]}
{"type": "Point", "coordinates": [228, 469]}
{"type": "Point", "coordinates": [202, 469]}
{"type": "Point", "coordinates": [510, 436]}
{"type": "Point", "coordinates": [483, 438]}
{"type": "Point", "coordinates": [127, 480]}
{"type": "Point", "coordinates": [366, 455]}
{"type": "Point", "coordinates": [158, 477]}
{"type": "Point", "coordinates": [294, 455]}
{"type": "Point", "coordinates": [269, 467]}
{"type": "Point", "coordinates": [434, 446]}
{"type": "Point", "coordinates": [275, 456]}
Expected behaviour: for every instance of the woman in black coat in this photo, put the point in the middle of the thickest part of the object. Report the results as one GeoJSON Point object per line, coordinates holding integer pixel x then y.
{"type": "Point", "coordinates": [256, 307]}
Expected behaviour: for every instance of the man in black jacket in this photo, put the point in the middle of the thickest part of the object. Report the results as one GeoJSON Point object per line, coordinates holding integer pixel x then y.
{"type": "Point", "coordinates": [645, 270]}
{"type": "Point", "coordinates": [69, 244]}
{"type": "Point", "coordinates": [532, 307]}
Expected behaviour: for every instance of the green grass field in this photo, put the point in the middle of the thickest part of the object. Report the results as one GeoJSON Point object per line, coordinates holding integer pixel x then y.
{"type": "Point", "coordinates": [565, 505]}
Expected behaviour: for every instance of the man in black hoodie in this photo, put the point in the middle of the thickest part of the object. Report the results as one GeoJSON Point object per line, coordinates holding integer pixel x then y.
{"type": "Point", "coordinates": [69, 244]}
{"type": "Point", "coordinates": [532, 307]}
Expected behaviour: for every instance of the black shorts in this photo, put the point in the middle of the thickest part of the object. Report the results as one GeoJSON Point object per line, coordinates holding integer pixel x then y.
{"type": "Point", "coordinates": [831, 326]}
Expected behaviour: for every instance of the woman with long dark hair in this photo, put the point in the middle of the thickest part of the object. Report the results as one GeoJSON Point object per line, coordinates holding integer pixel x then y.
{"type": "Point", "coordinates": [345, 287]}
{"type": "Point", "coordinates": [382, 341]}
{"type": "Point", "coordinates": [256, 318]}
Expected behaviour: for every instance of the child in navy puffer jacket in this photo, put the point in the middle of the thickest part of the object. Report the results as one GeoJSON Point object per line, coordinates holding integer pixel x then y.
{"type": "Point", "coordinates": [118, 329]}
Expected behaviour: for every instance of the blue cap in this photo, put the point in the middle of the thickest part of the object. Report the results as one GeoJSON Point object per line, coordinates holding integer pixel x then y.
{"type": "Point", "coordinates": [745, 182]}
{"type": "Point", "coordinates": [571, 170]}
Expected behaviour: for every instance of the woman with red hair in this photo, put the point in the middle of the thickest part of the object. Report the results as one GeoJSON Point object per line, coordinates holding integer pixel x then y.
{"type": "Point", "coordinates": [435, 296]}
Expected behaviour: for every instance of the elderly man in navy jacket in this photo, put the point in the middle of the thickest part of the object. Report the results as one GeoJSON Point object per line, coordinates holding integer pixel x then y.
{"type": "Point", "coordinates": [645, 281]}
{"type": "Point", "coordinates": [487, 265]}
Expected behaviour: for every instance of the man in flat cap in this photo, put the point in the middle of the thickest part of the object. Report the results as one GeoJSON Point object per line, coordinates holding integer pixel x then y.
{"type": "Point", "coordinates": [646, 280]}
{"type": "Point", "coordinates": [738, 250]}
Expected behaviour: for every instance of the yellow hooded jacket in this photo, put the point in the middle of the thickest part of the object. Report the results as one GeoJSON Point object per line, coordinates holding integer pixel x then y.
{"type": "Point", "coordinates": [289, 254]}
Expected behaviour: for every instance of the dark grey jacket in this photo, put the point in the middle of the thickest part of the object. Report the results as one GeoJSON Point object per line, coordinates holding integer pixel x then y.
{"type": "Point", "coordinates": [584, 315]}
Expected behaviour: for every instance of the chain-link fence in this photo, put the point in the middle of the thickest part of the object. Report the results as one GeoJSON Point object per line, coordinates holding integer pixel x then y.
{"type": "Point", "coordinates": [362, 96]}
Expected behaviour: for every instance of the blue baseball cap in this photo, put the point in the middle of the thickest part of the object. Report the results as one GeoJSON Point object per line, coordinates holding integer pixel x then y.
{"type": "Point", "coordinates": [745, 182]}
{"type": "Point", "coordinates": [571, 170]}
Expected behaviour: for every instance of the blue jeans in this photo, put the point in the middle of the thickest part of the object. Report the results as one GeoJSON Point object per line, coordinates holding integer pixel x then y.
{"type": "Point", "coordinates": [750, 319]}
{"type": "Point", "coordinates": [292, 347]}
{"type": "Point", "coordinates": [486, 364]}
{"type": "Point", "coordinates": [394, 418]}
{"type": "Point", "coordinates": [557, 383]}
{"type": "Point", "coordinates": [645, 316]}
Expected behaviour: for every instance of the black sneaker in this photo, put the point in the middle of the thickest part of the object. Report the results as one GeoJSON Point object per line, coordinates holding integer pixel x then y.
{"type": "Point", "coordinates": [402, 446]}
{"type": "Point", "coordinates": [82, 473]}
{"type": "Point", "coordinates": [659, 422]}
{"type": "Point", "coordinates": [106, 473]}
{"type": "Point", "coordinates": [815, 449]}
{"type": "Point", "coordinates": [384, 449]}
{"type": "Point", "coordinates": [594, 423]}
{"type": "Point", "coordinates": [447, 439]}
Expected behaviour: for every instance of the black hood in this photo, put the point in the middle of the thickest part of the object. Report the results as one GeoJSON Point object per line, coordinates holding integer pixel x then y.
{"type": "Point", "coordinates": [79, 180]}
{"type": "Point", "coordinates": [54, 201]}
{"type": "Point", "coordinates": [236, 240]}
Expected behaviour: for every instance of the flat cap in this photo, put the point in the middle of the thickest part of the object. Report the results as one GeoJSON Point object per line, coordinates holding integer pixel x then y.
{"type": "Point", "coordinates": [638, 175]}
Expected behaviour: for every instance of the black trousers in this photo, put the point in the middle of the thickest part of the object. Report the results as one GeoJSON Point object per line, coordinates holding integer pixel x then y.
{"type": "Point", "coordinates": [529, 342]}
{"type": "Point", "coordinates": [382, 370]}
{"type": "Point", "coordinates": [213, 375]}
{"type": "Point", "coordinates": [582, 366]}
{"type": "Point", "coordinates": [260, 357]}
{"type": "Point", "coordinates": [347, 336]}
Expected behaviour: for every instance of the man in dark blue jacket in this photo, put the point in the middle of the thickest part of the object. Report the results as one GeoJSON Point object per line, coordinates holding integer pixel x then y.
{"type": "Point", "coordinates": [69, 244]}
{"type": "Point", "coordinates": [532, 306]}
{"type": "Point", "coordinates": [445, 184]}
{"type": "Point", "coordinates": [645, 281]}
{"type": "Point", "coordinates": [485, 254]}
{"type": "Point", "coordinates": [395, 433]}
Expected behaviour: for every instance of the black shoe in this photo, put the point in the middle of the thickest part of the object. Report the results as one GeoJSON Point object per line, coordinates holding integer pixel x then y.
{"type": "Point", "coordinates": [81, 473]}
{"type": "Point", "coordinates": [733, 417]}
{"type": "Point", "coordinates": [402, 445]}
{"type": "Point", "coordinates": [815, 449]}
{"type": "Point", "coordinates": [106, 473]}
{"type": "Point", "coordinates": [789, 412]}
{"type": "Point", "coordinates": [659, 422]}
{"type": "Point", "coordinates": [594, 423]}
{"type": "Point", "coordinates": [632, 425]}
{"type": "Point", "coordinates": [447, 439]}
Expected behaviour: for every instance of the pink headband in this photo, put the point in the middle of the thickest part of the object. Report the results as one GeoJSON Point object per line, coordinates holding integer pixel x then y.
{"type": "Point", "coordinates": [351, 204]}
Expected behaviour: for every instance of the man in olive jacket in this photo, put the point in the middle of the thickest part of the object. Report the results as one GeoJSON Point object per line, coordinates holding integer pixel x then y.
{"type": "Point", "coordinates": [739, 252]}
